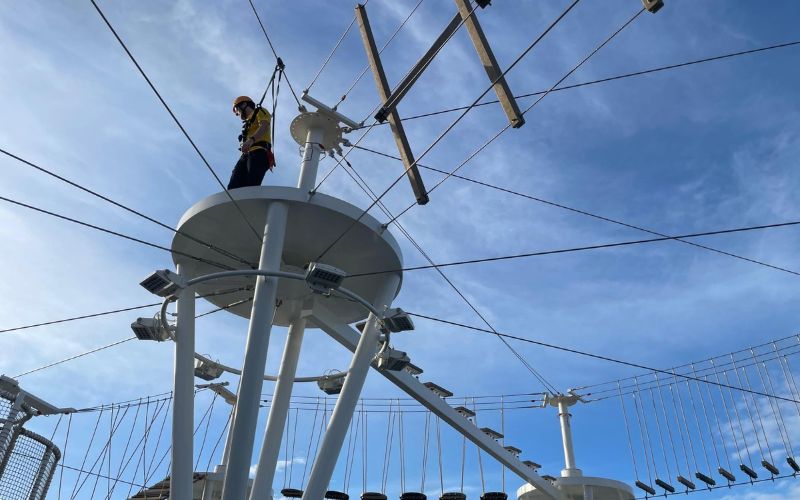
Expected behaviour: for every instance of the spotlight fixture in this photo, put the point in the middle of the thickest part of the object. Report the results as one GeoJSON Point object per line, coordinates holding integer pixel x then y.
{"type": "Point", "coordinates": [392, 359]}
{"type": "Point", "coordinates": [163, 283]}
{"type": "Point", "coordinates": [323, 278]}
{"type": "Point", "coordinates": [331, 384]}
{"type": "Point", "coordinates": [207, 371]}
{"type": "Point", "coordinates": [150, 329]}
{"type": "Point", "coordinates": [397, 320]}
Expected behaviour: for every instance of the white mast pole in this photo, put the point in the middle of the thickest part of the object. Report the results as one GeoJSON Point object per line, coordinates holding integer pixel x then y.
{"type": "Point", "coordinates": [563, 402]}
{"type": "Point", "coordinates": [249, 395]}
{"type": "Point", "coordinates": [183, 405]}
{"type": "Point", "coordinates": [310, 163]}
{"type": "Point", "coordinates": [279, 410]}
{"type": "Point", "coordinates": [342, 415]}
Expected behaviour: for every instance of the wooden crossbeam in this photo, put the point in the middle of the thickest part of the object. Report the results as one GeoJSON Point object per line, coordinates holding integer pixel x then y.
{"type": "Point", "coordinates": [489, 62]}
{"type": "Point", "coordinates": [393, 116]}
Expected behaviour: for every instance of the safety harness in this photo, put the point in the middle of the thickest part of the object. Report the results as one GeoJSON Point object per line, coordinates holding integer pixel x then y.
{"type": "Point", "coordinates": [275, 89]}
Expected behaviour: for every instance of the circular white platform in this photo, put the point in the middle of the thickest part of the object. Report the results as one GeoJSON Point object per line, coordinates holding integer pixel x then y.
{"type": "Point", "coordinates": [312, 225]}
{"type": "Point", "coordinates": [573, 488]}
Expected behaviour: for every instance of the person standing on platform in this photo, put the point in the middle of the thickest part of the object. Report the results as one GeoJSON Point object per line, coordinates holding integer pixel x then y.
{"type": "Point", "coordinates": [255, 144]}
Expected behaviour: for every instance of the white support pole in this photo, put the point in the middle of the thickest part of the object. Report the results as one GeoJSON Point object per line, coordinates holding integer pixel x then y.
{"type": "Point", "coordinates": [342, 414]}
{"type": "Point", "coordinates": [564, 402]}
{"type": "Point", "coordinates": [247, 404]}
{"type": "Point", "coordinates": [347, 336]}
{"type": "Point", "coordinates": [310, 162]}
{"type": "Point", "coordinates": [279, 410]}
{"type": "Point", "coordinates": [181, 478]}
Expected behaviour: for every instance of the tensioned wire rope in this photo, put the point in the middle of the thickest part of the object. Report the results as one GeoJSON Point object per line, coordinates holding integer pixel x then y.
{"type": "Point", "coordinates": [380, 51]}
{"type": "Point", "coordinates": [630, 388]}
{"type": "Point", "coordinates": [370, 193]}
{"type": "Point", "coordinates": [128, 339]}
{"type": "Point", "coordinates": [175, 118]}
{"type": "Point", "coordinates": [709, 359]}
{"type": "Point", "coordinates": [449, 127]}
{"type": "Point", "coordinates": [274, 52]}
{"type": "Point", "coordinates": [208, 245]}
{"type": "Point", "coordinates": [584, 212]}
{"type": "Point", "coordinates": [617, 77]}
{"type": "Point", "coordinates": [116, 233]}
{"type": "Point", "coordinates": [333, 51]}
{"type": "Point", "coordinates": [583, 248]}
{"type": "Point", "coordinates": [529, 108]}
{"type": "Point", "coordinates": [126, 309]}
{"type": "Point", "coordinates": [456, 263]}
{"type": "Point", "coordinates": [603, 44]}
{"type": "Point", "coordinates": [598, 356]}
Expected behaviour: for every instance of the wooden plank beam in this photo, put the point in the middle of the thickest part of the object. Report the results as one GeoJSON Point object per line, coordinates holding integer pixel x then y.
{"type": "Point", "coordinates": [486, 55]}
{"type": "Point", "coordinates": [393, 117]}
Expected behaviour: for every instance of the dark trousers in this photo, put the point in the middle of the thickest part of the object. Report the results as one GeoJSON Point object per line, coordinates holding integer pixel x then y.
{"type": "Point", "coordinates": [250, 169]}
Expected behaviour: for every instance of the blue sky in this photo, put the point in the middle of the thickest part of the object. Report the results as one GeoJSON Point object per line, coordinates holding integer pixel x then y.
{"type": "Point", "coordinates": [702, 148]}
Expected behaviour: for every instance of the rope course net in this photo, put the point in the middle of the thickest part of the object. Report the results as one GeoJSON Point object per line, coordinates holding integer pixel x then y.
{"type": "Point", "coordinates": [691, 430]}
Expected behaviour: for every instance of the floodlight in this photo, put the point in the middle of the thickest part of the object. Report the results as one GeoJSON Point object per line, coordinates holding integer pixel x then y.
{"type": "Point", "coordinates": [438, 389]}
{"type": "Point", "coordinates": [548, 477]}
{"type": "Point", "coordinates": [149, 329]}
{"type": "Point", "coordinates": [392, 359]}
{"type": "Point", "coordinates": [163, 283]}
{"type": "Point", "coordinates": [533, 465]}
{"type": "Point", "coordinates": [323, 278]}
{"type": "Point", "coordinates": [513, 450]}
{"type": "Point", "coordinates": [207, 371]}
{"type": "Point", "coordinates": [331, 384]}
{"type": "Point", "coordinates": [397, 320]}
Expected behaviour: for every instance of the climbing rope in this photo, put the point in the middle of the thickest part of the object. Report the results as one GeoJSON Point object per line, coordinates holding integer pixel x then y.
{"type": "Point", "coordinates": [739, 423]}
{"type": "Point", "coordinates": [628, 432]}
{"type": "Point", "coordinates": [310, 441]}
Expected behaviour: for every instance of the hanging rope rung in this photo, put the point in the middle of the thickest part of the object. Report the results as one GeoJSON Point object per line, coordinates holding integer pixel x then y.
{"type": "Point", "coordinates": [727, 475]}
{"type": "Point", "coordinates": [413, 495]}
{"type": "Point", "coordinates": [494, 495]}
{"type": "Point", "coordinates": [747, 470]}
{"type": "Point", "coordinates": [453, 496]}
{"type": "Point", "coordinates": [336, 495]}
{"type": "Point", "coordinates": [686, 482]}
{"type": "Point", "coordinates": [666, 486]}
{"type": "Point", "coordinates": [373, 495]}
{"type": "Point", "coordinates": [771, 468]}
{"type": "Point", "coordinates": [792, 464]}
{"type": "Point", "coordinates": [292, 493]}
{"type": "Point", "coordinates": [709, 481]}
{"type": "Point", "coordinates": [645, 487]}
